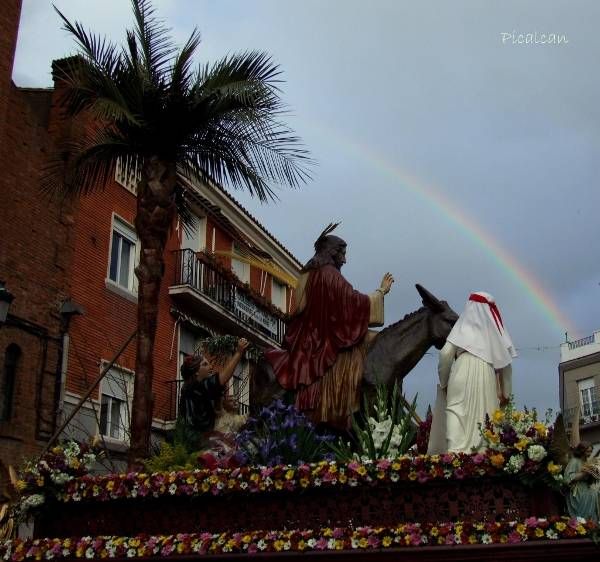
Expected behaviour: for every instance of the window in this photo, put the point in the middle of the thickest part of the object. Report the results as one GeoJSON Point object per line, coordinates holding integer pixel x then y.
{"type": "Point", "coordinates": [589, 398]}
{"type": "Point", "coordinates": [115, 405]}
{"type": "Point", "coordinates": [194, 239]}
{"type": "Point", "coordinates": [128, 173]}
{"type": "Point", "coordinates": [189, 343]}
{"type": "Point", "coordinates": [7, 382]}
{"type": "Point", "coordinates": [123, 255]}
{"type": "Point", "coordinates": [278, 295]}
{"type": "Point", "coordinates": [239, 386]}
{"type": "Point", "coordinates": [239, 267]}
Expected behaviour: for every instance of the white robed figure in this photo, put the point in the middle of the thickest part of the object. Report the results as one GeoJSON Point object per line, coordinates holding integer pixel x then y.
{"type": "Point", "coordinates": [475, 376]}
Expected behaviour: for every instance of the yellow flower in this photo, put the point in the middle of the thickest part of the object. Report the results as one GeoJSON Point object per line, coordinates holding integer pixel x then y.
{"type": "Point", "coordinates": [380, 475]}
{"type": "Point", "coordinates": [498, 416]}
{"type": "Point", "coordinates": [343, 478]}
{"type": "Point", "coordinates": [40, 482]}
{"type": "Point", "coordinates": [554, 468]}
{"type": "Point", "coordinates": [134, 542]}
{"type": "Point", "coordinates": [396, 466]}
{"type": "Point", "coordinates": [387, 541]}
{"type": "Point", "coordinates": [21, 485]}
{"type": "Point", "coordinates": [540, 428]}
{"type": "Point", "coordinates": [497, 460]}
{"type": "Point", "coordinates": [327, 532]}
{"type": "Point", "coordinates": [333, 468]}
{"type": "Point", "coordinates": [456, 463]}
{"type": "Point", "coordinates": [560, 525]}
{"type": "Point", "coordinates": [57, 450]}
{"type": "Point", "coordinates": [339, 544]}
{"type": "Point", "coordinates": [301, 544]}
{"type": "Point", "coordinates": [539, 532]}
{"type": "Point", "coordinates": [580, 529]}
{"type": "Point", "coordinates": [278, 545]}
{"type": "Point", "coordinates": [304, 482]}
{"type": "Point", "coordinates": [205, 486]}
{"type": "Point", "coordinates": [363, 543]}
{"type": "Point", "coordinates": [190, 479]}
{"type": "Point", "coordinates": [521, 444]}
{"type": "Point", "coordinates": [472, 539]}
{"type": "Point", "coordinates": [412, 475]}
{"type": "Point", "coordinates": [516, 416]}
{"type": "Point", "coordinates": [246, 539]}
{"type": "Point", "coordinates": [278, 485]}
{"type": "Point", "coordinates": [521, 529]}
{"type": "Point", "coordinates": [434, 532]}
{"type": "Point", "coordinates": [290, 474]}
{"type": "Point", "coordinates": [491, 436]}
{"type": "Point", "coordinates": [361, 470]}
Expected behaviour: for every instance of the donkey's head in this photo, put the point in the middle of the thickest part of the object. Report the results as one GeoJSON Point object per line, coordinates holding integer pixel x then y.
{"type": "Point", "coordinates": [441, 317]}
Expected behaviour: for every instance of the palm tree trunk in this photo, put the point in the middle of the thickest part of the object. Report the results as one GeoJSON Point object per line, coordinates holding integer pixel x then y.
{"type": "Point", "coordinates": [155, 214]}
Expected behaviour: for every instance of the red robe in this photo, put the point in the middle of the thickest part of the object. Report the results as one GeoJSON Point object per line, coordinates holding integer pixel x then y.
{"type": "Point", "coordinates": [336, 317]}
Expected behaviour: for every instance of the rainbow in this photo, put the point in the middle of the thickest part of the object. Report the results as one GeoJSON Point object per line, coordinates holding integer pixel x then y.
{"type": "Point", "coordinates": [507, 263]}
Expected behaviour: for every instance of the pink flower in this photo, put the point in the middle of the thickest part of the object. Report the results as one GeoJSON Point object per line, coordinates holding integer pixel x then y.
{"type": "Point", "coordinates": [478, 458]}
{"type": "Point", "coordinates": [531, 522]}
{"type": "Point", "coordinates": [321, 544]}
{"type": "Point", "coordinates": [373, 541]}
{"type": "Point", "coordinates": [383, 464]}
{"type": "Point", "coordinates": [415, 539]}
{"type": "Point", "coordinates": [514, 537]}
{"type": "Point", "coordinates": [338, 533]}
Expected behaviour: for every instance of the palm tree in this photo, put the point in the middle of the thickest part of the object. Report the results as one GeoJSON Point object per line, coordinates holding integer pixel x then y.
{"type": "Point", "coordinates": [218, 123]}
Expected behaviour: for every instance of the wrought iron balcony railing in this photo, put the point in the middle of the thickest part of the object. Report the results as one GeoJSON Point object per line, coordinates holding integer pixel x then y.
{"type": "Point", "coordinates": [588, 413]}
{"type": "Point", "coordinates": [197, 271]}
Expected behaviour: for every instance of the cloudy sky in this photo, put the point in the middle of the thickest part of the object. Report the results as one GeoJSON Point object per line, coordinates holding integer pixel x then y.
{"type": "Point", "coordinates": [454, 155]}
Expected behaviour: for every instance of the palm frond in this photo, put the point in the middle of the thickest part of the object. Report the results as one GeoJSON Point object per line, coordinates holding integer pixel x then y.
{"type": "Point", "coordinates": [97, 49]}
{"type": "Point", "coordinates": [83, 164]}
{"type": "Point", "coordinates": [181, 75]}
{"type": "Point", "coordinates": [153, 40]}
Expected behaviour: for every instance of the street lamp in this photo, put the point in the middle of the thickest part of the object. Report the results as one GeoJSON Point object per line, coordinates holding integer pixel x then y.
{"type": "Point", "coordinates": [6, 297]}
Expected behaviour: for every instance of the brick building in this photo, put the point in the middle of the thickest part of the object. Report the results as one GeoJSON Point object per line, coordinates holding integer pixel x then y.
{"type": "Point", "coordinates": [70, 267]}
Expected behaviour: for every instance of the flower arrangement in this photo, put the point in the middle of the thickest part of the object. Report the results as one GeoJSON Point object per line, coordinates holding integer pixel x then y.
{"type": "Point", "coordinates": [384, 429]}
{"type": "Point", "coordinates": [519, 444]}
{"type": "Point", "coordinates": [57, 467]}
{"type": "Point", "coordinates": [405, 535]}
{"type": "Point", "coordinates": [281, 435]}
{"type": "Point", "coordinates": [48, 475]}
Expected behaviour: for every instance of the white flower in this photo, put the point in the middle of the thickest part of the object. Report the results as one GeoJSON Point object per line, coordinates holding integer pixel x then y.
{"type": "Point", "coordinates": [131, 553]}
{"type": "Point", "coordinates": [536, 453]}
{"type": "Point", "coordinates": [89, 552]}
{"type": "Point", "coordinates": [551, 534]}
{"type": "Point", "coordinates": [261, 544]}
{"type": "Point", "coordinates": [173, 489]}
{"type": "Point", "coordinates": [486, 539]}
{"type": "Point", "coordinates": [515, 463]}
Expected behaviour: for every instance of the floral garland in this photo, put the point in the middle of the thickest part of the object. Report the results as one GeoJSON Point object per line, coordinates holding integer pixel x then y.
{"type": "Point", "coordinates": [326, 539]}
{"type": "Point", "coordinates": [324, 474]}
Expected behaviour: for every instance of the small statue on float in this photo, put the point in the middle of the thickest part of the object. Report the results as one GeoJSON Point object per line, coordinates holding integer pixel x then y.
{"type": "Point", "coordinates": [203, 387]}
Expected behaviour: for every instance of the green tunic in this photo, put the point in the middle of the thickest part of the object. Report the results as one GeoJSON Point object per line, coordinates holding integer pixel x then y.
{"type": "Point", "coordinates": [582, 499]}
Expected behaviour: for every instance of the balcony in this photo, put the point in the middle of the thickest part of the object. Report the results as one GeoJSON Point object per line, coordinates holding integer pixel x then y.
{"type": "Point", "coordinates": [580, 348]}
{"type": "Point", "coordinates": [206, 288]}
{"type": "Point", "coordinates": [589, 413]}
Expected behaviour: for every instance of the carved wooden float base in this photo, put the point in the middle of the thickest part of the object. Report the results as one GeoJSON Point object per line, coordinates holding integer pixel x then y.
{"type": "Point", "coordinates": [480, 499]}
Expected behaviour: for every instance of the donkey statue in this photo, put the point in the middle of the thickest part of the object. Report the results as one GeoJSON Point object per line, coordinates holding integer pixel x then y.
{"type": "Point", "coordinates": [392, 354]}
{"type": "Point", "coordinates": [396, 350]}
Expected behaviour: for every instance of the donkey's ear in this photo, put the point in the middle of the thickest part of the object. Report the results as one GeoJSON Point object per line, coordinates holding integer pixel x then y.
{"type": "Point", "coordinates": [429, 300]}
